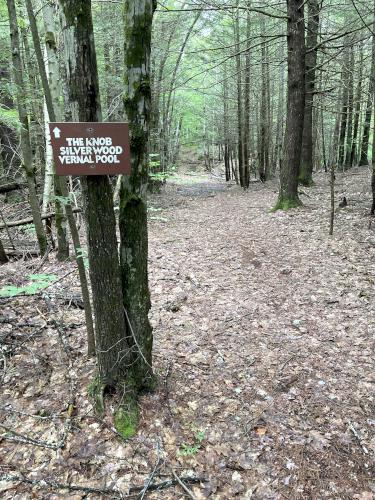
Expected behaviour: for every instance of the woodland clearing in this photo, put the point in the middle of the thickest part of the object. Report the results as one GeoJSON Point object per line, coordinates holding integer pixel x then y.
{"type": "Point", "coordinates": [263, 346]}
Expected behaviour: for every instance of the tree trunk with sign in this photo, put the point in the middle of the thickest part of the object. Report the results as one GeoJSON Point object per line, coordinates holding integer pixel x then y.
{"type": "Point", "coordinates": [112, 342]}
{"type": "Point", "coordinates": [27, 160]}
{"type": "Point", "coordinates": [133, 209]}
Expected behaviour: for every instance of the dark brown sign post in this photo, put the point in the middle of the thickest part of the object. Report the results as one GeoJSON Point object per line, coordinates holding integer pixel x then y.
{"type": "Point", "coordinates": [90, 148]}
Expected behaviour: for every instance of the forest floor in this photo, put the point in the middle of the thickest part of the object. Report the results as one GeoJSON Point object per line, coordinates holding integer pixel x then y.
{"type": "Point", "coordinates": [264, 349]}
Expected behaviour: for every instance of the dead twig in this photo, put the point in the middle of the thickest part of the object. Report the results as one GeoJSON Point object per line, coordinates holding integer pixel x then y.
{"type": "Point", "coordinates": [166, 390]}
{"type": "Point", "coordinates": [113, 493]}
{"type": "Point", "coordinates": [70, 372]}
{"type": "Point", "coordinates": [152, 475]}
{"type": "Point", "coordinates": [183, 485]}
{"type": "Point", "coordinates": [358, 437]}
{"type": "Point", "coordinates": [63, 486]}
{"type": "Point", "coordinates": [20, 438]}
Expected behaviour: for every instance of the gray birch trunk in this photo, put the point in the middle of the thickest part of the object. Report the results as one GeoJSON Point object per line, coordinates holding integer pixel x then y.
{"type": "Point", "coordinates": [48, 171]}
{"type": "Point", "coordinates": [27, 161]}
{"type": "Point", "coordinates": [54, 112]}
{"type": "Point", "coordinates": [63, 245]}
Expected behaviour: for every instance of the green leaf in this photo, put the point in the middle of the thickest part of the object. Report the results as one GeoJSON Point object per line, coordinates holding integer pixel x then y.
{"type": "Point", "coordinates": [38, 282]}
{"type": "Point", "coordinates": [10, 291]}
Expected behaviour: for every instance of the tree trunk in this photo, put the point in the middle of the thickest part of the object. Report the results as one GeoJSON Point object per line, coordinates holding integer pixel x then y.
{"type": "Point", "coordinates": [133, 208]}
{"type": "Point", "coordinates": [288, 194]}
{"type": "Point", "coordinates": [8, 136]}
{"type": "Point", "coordinates": [83, 99]}
{"type": "Point", "coordinates": [280, 112]}
{"type": "Point", "coordinates": [239, 102]}
{"type": "Point", "coordinates": [366, 128]}
{"type": "Point", "coordinates": [225, 125]}
{"type": "Point", "coordinates": [372, 78]}
{"type": "Point", "coordinates": [307, 156]}
{"type": "Point", "coordinates": [357, 112]}
{"type": "Point", "coordinates": [24, 120]}
{"type": "Point", "coordinates": [52, 95]}
{"type": "Point", "coordinates": [344, 109]}
{"type": "Point", "coordinates": [246, 124]}
{"type": "Point", "coordinates": [3, 255]}
{"type": "Point", "coordinates": [349, 134]}
{"type": "Point", "coordinates": [335, 135]}
{"type": "Point", "coordinates": [264, 132]}
{"type": "Point", "coordinates": [35, 105]}
{"type": "Point", "coordinates": [63, 245]}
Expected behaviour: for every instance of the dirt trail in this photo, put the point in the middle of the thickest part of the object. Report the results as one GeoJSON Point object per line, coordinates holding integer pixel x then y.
{"type": "Point", "coordinates": [274, 335]}
{"type": "Point", "coordinates": [264, 346]}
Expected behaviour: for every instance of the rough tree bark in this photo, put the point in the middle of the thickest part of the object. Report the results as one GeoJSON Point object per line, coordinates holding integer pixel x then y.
{"type": "Point", "coordinates": [138, 17]}
{"type": "Point", "coordinates": [225, 126]}
{"type": "Point", "coordinates": [307, 155]}
{"type": "Point", "coordinates": [240, 138]}
{"type": "Point", "coordinates": [247, 104]}
{"type": "Point", "coordinates": [264, 132]}
{"type": "Point", "coordinates": [357, 112]}
{"type": "Point", "coordinates": [84, 102]}
{"type": "Point", "coordinates": [288, 193]}
{"type": "Point", "coordinates": [372, 78]}
{"type": "Point", "coordinates": [344, 108]}
{"type": "Point", "coordinates": [349, 133]}
{"type": "Point", "coordinates": [366, 128]}
{"type": "Point", "coordinates": [3, 255]}
{"type": "Point", "coordinates": [280, 112]}
{"type": "Point", "coordinates": [24, 120]}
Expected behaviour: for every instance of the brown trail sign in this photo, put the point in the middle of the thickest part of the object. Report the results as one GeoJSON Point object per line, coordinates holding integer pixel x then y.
{"type": "Point", "coordinates": [90, 148]}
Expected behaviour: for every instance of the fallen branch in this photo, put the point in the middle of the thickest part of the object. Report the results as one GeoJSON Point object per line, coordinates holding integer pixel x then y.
{"type": "Point", "coordinates": [22, 253]}
{"type": "Point", "coordinates": [152, 475]}
{"type": "Point", "coordinates": [11, 186]}
{"type": "Point", "coordinates": [29, 220]}
{"type": "Point", "coordinates": [70, 372]}
{"type": "Point", "coordinates": [358, 437]}
{"type": "Point", "coordinates": [113, 493]}
{"type": "Point", "coordinates": [63, 486]}
{"type": "Point", "coordinates": [183, 485]}
{"type": "Point", "coordinates": [20, 438]}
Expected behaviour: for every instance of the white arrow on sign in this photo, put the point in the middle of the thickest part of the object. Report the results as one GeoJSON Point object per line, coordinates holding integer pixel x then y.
{"type": "Point", "coordinates": [57, 132]}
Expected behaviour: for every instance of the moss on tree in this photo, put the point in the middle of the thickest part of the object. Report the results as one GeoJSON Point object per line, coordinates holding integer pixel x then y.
{"type": "Point", "coordinates": [126, 420]}
{"type": "Point", "coordinates": [286, 204]}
